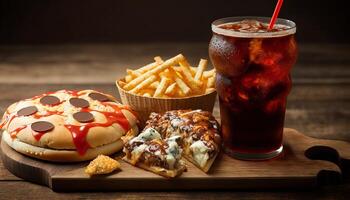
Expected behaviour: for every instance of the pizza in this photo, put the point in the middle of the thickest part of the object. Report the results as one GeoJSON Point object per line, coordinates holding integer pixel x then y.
{"type": "Point", "coordinates": [149, 151]}
{"type": "Point", "coordinates": [67, 126]}
{"type": "Point", "coordinates": [168, 137]}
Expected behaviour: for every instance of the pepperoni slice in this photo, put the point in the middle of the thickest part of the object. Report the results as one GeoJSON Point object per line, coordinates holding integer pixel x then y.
{"type": "Point", "coordinates": [50, 100]}
{"type": "Point", "coordinates": [99, 97]}
{"type": "Point", "coordinates": [79, 103]}
{"type": "Point", "coordinates": [42, 126]}
{"type": "Point", "coordinates": [27, 111]}
{"type": "Point", "coordinates": [83, 117]}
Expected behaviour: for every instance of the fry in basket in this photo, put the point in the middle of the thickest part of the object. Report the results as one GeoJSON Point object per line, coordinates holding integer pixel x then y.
{"type": "Point", "coordinates": [194, 84]}
{"type": "Point", "coordinates": [201, 67]}
{"type": "Point", "coordinates": [162, 87]}
{"type": "Point", "coordinates": [155, 70]}
{"type": "Point", "coordinates": [172, 78]}
{"type": "Point", "coordinates": [133, 73]}
{"type": "Point", "coordinates": [209, 73]}
{"type": "Point", "coordinates": [154, 85]}
{"type": "Point", "coordinates": [170, 91]}
{"type": "Point", "coordinates": [143, 84]}
{"type": "Point", "coordinates": [209, 90]}
{"type": "Point", "coordinates": [211, 82]}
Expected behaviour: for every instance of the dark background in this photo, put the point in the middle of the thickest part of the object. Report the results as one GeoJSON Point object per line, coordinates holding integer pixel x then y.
{"type": "Point", "coordinates": [88, 21]}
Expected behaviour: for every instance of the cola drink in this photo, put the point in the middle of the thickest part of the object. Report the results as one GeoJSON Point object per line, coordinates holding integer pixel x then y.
{"type": "Point", "coordinates": [253, 81]}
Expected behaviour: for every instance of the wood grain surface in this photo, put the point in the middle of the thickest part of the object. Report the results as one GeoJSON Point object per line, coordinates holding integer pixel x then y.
{"type": "Point", "coordinates": [318, 106]}
{"type": "Point", "coordinates": [296, 168]}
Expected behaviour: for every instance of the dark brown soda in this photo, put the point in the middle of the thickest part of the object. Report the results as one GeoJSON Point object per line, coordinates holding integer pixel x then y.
{"type": "Point", "coordinates": [253, 82]}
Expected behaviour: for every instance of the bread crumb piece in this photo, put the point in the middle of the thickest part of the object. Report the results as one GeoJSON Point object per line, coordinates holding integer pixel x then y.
{"type": "Point", "coordinates": [102, 165]}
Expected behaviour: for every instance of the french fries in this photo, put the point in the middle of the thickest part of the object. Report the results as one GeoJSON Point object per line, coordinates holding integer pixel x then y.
{"type": "Point", "coordinates": [182, 85]}
{"type": "Point", "coordinates": [210, 82]}
{"type": "Point", "coordinates": [201, 67]}
{"type": "Point", "coordinates": [162, 87]}
{"type": "Point", "coordinates": [133, 73]}
{"type": "Point", "coordinates": [170, 91]}
{"type": "Point", "coordinates": [209, 73]}
{"type": "Point", "coordinates": [154, 71]}
{"type": "Point", "coordinates": [153, 85]}
{"type": "Point", "coordinates": [172, 78]}
{"type": "Point", "coordinates": [143, 84]}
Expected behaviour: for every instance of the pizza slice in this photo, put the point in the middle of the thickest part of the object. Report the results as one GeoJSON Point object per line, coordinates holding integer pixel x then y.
{"type": "Point", "coordinates": [149, 151]}
{"type": "Point", "coordinates": [199, 132]}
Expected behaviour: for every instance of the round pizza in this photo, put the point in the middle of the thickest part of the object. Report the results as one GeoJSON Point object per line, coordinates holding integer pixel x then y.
{"type": "Point", "coordinates": [67, 126]}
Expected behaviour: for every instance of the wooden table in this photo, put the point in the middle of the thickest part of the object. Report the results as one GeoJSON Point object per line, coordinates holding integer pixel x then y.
{"type": "Point", "coordinates": [318, 106]}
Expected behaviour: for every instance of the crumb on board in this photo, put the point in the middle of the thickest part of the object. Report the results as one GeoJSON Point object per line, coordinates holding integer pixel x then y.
{"type": "Point", "coordinates": [102, 165]}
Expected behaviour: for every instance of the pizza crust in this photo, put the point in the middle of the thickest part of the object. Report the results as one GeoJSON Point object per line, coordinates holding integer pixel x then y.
{"type": "Point", "coordinates": [60, 155]}
{"type": "Point", "coordinates": [207, 165]}
{"type": "Point", "coordinates": [168, 173]}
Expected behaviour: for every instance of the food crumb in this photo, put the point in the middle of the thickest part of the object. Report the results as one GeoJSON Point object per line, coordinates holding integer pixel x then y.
{"type": "Point", "coordinates": [102, 165]}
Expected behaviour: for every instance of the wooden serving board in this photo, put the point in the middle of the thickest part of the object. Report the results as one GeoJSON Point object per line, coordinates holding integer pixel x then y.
{"type": "Point", "coordinates": [303, 164]}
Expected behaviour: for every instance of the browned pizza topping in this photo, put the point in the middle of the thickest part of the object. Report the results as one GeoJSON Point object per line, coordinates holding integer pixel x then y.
{"type": "Point", "coordinates": [50, 100]}
{"type": "Point", "coordinates": [152, 160]}
{"type": "Point", "coordinates": [197, 135]}
{"type": "Point", "coordinates": [157, 145]}
{"type": "Point", "coordinates": [199, 117]}
{"type": "Point", "coordinates": [27, 111]}
{"type": "Point", "coordinates": [78, 102]}
{"type": "Point", "coordinates": [83, 117]}
{"type": "Point", "coordinates": [186, 128]}
{"type": "Point", "coordinates": [209, 144]}
{"type": "Point", "coordinates": [131, 146]}
{"type": "Point", "coordinates": [192, 132]}
{"type": "Point", "coordinates": [197, 124]}
{"type": "Point", "coordinates": [99, 97]}
{"type": "Point", "coordinates": [157, 122]}
{"type": "Point", "coordinates": [42, 126]}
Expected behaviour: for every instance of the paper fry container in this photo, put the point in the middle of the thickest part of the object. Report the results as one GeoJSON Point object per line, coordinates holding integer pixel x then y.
{"type": "Point", "coordinates": [145, 105]}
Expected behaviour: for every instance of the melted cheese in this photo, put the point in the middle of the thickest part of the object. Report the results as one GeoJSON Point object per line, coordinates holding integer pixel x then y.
{"type": "Point", "coordinates": [174, 138]}
{"type": "Point", "coordinates": [158, 153]}
{"type": "Point", "coordinates": [176, 122]}
{"type": "Point", "coordinates": [136, 153]}
{"type": "Point", "coordinates": [171, 160]}
{"type": "Point", "coordinates": [96, 105]}
{"type": "Point", "coordinates": [200, 153]}
{"type": "Point", "coordinates": [62, 95]}
{"type": "Point", "coordinates": [149, 134]}
{"type": "Point", "coordinates": [173, 151]}
{"type": "Point", "coordinates": [23, 104]}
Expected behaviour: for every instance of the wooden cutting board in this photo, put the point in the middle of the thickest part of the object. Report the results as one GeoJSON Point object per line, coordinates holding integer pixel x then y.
{"type": "Point", "coordinates": [303, 164]}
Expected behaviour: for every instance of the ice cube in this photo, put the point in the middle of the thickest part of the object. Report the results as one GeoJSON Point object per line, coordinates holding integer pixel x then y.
{"type": "Point", "coordinates": [257, 85]}
{"type": "Point", "coordinates": [251, 26]}
{"type": "Point", "coordinates": [255, 50]}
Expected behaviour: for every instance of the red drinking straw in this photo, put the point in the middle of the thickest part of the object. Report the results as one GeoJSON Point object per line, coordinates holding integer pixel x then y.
{"type": "Point", "coordinates": [275, 14]}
